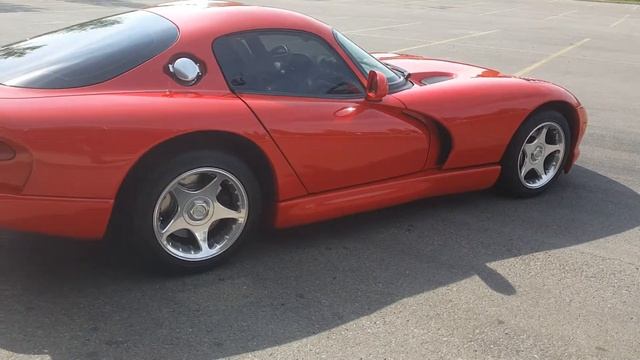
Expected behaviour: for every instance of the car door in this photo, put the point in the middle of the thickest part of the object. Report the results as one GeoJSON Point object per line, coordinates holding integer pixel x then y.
{"type": "Point", "coordinates": [313, 106]}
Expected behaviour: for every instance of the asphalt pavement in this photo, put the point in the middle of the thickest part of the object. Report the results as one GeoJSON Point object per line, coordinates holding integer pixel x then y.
{"type": "Point", "coordinates": [472, 276]}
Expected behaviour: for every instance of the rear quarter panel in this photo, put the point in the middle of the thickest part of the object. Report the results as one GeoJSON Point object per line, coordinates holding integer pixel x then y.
{"type": "Point", "coordinates": [83, 146]}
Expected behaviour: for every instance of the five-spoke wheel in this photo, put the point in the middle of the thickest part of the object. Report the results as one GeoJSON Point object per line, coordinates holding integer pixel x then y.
{"type": "Point", "coordinates": [200, 213]}
{"type": "Point", "coordinates": [541, 155]}
{"type": "Point", "coordinates": [194, 209]}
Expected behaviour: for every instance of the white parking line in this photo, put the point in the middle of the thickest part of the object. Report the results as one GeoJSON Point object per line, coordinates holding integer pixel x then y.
{"type": "Point", "coordinates": [551, 57]}
{"type": "Point", "coordinates": [381, 27]}
{"type": "Point", "coordinates": [446, 41]}
{"type": "Point", "coordinates": [560, 15]}
{"type": "Point", "coordinates": [499, 11]}
{"type": "Point", "coordinates": [619, 21]}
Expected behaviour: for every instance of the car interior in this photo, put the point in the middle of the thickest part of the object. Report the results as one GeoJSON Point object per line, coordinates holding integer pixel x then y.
{"type": "Point", "coordinates": [289, 63]}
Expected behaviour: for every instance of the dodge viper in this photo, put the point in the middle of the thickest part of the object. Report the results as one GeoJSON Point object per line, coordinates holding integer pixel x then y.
{"type": "Point", "coordinates": [185, 127]}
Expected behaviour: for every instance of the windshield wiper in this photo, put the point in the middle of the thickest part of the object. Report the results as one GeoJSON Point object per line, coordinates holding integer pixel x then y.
{"type": "Point", "coordinates": [398, 70]}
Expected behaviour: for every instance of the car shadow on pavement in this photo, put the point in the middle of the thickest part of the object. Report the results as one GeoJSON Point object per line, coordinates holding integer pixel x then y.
{"type": "Point", "coordinates": [70, 300]}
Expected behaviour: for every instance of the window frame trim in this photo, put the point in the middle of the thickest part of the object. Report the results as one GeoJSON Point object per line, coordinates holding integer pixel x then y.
{"type": "Point", "coordinates": [361, 87]}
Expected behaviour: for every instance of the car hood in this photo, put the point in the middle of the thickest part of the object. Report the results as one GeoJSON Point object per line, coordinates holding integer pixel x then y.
{"type": "Point", "coordinates": [426, 71]}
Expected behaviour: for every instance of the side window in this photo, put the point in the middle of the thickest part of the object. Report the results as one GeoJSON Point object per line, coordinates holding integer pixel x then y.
{"type": "Point", "coordinates": [284, 63]}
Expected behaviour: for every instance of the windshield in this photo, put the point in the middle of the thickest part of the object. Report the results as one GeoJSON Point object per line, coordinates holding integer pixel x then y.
{"type": "Point", "coordinates": [366, 62]}
{"type": "Point", "coordinates": [87, 53]}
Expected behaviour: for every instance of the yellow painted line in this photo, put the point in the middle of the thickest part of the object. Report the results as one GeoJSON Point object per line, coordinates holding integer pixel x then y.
{"type": "Point", "coordinates": [499, 11]}
{"type": "Point", "coordinates": [381, 27]}
{"type": "Point", "coordinates": [446, 41]}
{"type": "Point", "coordinates": [560, 15]}
{"type": "Point", "coordinates": [388, 37]}
{"type": "Point", "coordinates": [551, 57]}
{"type": "Point", "coordinates": [333, 17]}
{"type": "Point", "coordinates": [619, 21]}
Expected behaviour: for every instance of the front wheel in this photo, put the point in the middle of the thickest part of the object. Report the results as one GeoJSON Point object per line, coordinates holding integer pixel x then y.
{"type": "Point", "coordinates": [193, 211]}
{"type": "Point", "coordinates": [536, 155]}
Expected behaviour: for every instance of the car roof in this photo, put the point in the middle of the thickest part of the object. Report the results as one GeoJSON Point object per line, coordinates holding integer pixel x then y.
{"type": "Point", "coordinates": [217, 18]}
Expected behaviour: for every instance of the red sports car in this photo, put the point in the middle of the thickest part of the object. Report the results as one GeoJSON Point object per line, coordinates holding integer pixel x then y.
{"type": "Point", "coordinates": [184, 127]}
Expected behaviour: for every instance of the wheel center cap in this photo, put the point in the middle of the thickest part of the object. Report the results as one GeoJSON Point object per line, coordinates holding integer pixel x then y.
{"type": "Point", "coordinates": [537, 153]}
{"type": "Point", "coordinates": [199, 210]}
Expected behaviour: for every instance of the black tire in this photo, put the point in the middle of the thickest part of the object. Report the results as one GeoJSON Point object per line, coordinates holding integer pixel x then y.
{"type": "Point", "coordinates": [509, 182]}
{"type": "Point", "coordinates": [150, 187]}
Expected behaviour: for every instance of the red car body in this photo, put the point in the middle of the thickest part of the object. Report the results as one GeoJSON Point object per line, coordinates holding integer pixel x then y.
{"type": "Point", "coordinates": [74, 148]}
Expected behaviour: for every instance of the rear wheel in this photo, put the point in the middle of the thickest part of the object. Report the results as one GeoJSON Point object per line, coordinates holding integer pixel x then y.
{"type": "Point", "coordinates": [193, 211]}
{"type": "Point", "coordinates": [536, 155]}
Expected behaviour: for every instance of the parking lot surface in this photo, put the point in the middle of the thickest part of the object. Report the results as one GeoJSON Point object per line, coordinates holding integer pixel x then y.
{"type": "Point", "coordinates": [472, 276]}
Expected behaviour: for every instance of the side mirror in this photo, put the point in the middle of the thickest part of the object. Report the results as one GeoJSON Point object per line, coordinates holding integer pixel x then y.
{"type": "Point", "coordinates": [377, 86]}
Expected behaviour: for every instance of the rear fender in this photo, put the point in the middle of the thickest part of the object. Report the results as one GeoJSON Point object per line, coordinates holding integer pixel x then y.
{"type": "Point", "coordinates": [83, 149]}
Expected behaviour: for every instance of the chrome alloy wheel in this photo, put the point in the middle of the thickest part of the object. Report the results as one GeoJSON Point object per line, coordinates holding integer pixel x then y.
{"type": "Point", "coordinates": [541, 155]}
{"type": "Point", "coordinates": [200, 214]}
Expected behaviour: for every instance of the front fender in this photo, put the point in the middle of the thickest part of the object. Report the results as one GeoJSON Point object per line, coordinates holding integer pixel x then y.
{"type": "Point", "coordinates": [481, 114]}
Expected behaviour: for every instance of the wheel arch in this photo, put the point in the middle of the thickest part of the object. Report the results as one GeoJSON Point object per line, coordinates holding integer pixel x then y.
{"type": "Point", "coordinates": [237, 145]}
{"type": "Point", "coordinates": [570, 113]}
